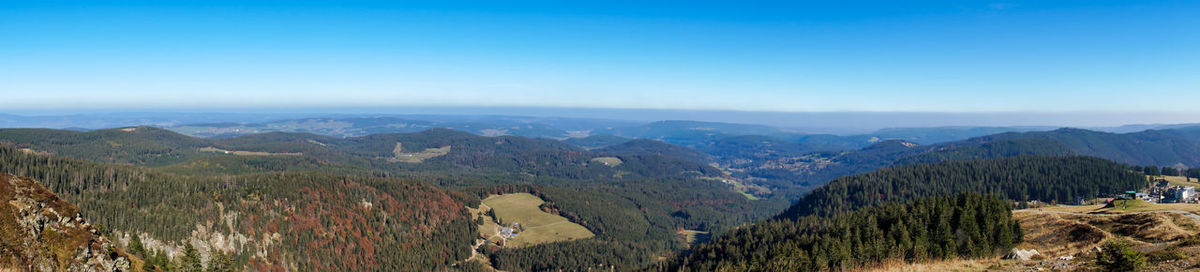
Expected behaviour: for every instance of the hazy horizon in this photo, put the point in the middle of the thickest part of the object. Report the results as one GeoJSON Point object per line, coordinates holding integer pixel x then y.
{"type": "Point", "coordinates": [867, 56]}
{"type": "Point", "coordinates": [811, 122]}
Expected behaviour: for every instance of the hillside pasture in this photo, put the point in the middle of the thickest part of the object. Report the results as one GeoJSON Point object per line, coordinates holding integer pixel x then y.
{"type": "Point", "coordinates": [408, 157]}
{"type": "Point", "coordinates": [245, 153]}
{"type": "Point", "coordinates": [608, 161]}
{"type": "Point", "coordinates": [540, 227]}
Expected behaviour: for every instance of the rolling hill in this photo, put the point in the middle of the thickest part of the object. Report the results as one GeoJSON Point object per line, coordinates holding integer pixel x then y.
{"type": "Point", "coordinates": [1173, 147]}
{"type": "Point", "coordinates": [652, 147]}
{"type": "Point", "coordinates": [265, 186]}
{"type": "Point", "coordinates": [596, 141]}
{"type": "Point", "coordinates": [367, 221]}
{"type": "Point", "coordinates": [917, 213]}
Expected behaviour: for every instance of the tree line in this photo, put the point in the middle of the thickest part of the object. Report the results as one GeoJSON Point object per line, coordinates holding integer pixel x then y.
{"type": "Point", "coordinates": [1042, 178]}
{"type": "Point", "coordinates": [967, 225]}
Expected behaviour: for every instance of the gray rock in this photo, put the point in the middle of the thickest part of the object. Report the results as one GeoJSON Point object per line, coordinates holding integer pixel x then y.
{"type": "Point", "coordinates": [1023, 255]}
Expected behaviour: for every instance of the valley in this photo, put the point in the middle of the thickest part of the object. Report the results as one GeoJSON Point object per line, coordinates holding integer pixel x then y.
{"type": "Point", "coordinates": [539, 204]}
{"type": "Point", "coordinates": [618, 136]}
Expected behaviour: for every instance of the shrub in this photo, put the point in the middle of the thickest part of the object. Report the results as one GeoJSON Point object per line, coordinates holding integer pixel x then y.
{"type": "Point", "coordinates": [1118, 255]}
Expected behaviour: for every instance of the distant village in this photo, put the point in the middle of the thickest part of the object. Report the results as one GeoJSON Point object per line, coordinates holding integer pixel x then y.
{"type": "Point", "coordinates": [1162, 192]}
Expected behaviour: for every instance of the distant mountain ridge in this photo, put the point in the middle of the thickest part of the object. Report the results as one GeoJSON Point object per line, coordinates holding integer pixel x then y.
{"type": "Point", "coordinates": [1173, 147]}
{"type": "Point", "coordinates": [680, 132]}
{"type": "Point", "coordinates": [151, 146]}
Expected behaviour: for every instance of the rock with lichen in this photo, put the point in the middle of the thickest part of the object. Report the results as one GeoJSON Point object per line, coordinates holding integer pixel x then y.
{"type": "Point", "coordinates": [41, 232]}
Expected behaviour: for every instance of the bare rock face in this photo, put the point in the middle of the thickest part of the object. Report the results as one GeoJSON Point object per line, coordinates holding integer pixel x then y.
{"type": "Point", "coordinates": [41, 232]}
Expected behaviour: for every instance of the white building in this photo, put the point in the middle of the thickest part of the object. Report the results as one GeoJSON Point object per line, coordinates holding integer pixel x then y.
{"type": "Point", "coordinates": [1186, 193]}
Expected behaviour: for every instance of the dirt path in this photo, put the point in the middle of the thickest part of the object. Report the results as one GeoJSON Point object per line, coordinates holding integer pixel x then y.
{"type": "Point", "coordinates": [1193, 216]}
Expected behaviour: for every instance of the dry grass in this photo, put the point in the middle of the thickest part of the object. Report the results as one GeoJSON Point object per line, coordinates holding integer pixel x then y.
{"type": "Point", "coordinates": [489, 227]}
{"type": "Point", "coordinates": [1059, 231]}
{"type": "Point", "coordinates": [690, 237]}
{"type": "Point", "coordinates": [1133, 206]}
{"type": "Point", "coordinates": [1178, 181]}
{"type": "Point", "coordinates": [58, 243]}
{"type": "Point", "coordinates": [1052, 235]}
{"type": "Point", "coordinates": [949, 265]}
{"type": "Point", "coordinates": [1060, 234]}
{"type": "Point", "coordinates": [1144, 227]}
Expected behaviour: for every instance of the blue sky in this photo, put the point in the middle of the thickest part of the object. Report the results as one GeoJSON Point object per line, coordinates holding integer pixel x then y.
{"type": "Point", "coordinates": [792, 56]}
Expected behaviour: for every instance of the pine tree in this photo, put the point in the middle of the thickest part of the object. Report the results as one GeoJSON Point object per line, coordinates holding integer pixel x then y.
{"type": "Point", "coordinates": [220, 262]}
{"type": "Point", "coordinates": [190, 262]}
{"type": "Point", "coordinates": [136, 247]}
{"type": "Point", "coordinates": [1118, 255]}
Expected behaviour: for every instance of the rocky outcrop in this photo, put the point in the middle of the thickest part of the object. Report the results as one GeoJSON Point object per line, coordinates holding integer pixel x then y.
{"type": "Point", "coordinates": [41, 232]}
{"type": "Point", "coordinates": [1023, 255]}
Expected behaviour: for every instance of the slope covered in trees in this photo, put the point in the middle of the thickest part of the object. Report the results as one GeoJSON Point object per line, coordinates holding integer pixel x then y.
{"type": "Point", "coordinates": [913, 213]}
{"type": "Point", "coordinates": [634, 222]}
{"type": "Point", "coordinates": [652, 147]}
{"type": "Point", "coordinates": [278, 151]}
{"type": "Point", "coordinates": [634, 208]}
{"type": "Point", "coordinates": [136, 145]}
{"type": "Point", "coordinates": [1171, 147]}
{"type": "Point", "coordinates": [1049, 179]}
{"type": "Point", "coordinates": [1179, 147]}
{"type": "Point", "coordinates": [596, 141]}
{"type": "Point", "coordinates": [932, 228]}
{"type": "Point", "coordinates": [300, 220]}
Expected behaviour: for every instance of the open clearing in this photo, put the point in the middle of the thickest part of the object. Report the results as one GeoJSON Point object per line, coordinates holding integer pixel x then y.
{"type": "Point", "coordinates": [428, 153]}
{"type": "Point", "coordinates": [540, 227]}
{"type": "Point", "coordinates": [609, 161]}
{"type": "Point", "coordinates": [246, 153]}
{"type": "Point", "coordinates": [691, 237]}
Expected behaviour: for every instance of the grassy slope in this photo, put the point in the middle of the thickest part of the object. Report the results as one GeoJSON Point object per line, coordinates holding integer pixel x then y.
{"type": "Point", "coordinates": [540, 227]}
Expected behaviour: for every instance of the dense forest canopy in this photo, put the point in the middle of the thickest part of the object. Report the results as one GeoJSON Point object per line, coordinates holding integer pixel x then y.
{"type": "Point", "coordinates": [932, 228]}
{"type": "Point", "coordinates": [1048, 179]}
{"type": "Point", "coordinates": [300, 219]}
{"type": "Point", "coordinates": [914, 213]}
{"type": "Point", "coordinates": [635, 207]}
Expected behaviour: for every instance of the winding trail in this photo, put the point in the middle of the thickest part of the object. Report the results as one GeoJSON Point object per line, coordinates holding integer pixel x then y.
{"type": "Point", "coordinates": [1191, 215]}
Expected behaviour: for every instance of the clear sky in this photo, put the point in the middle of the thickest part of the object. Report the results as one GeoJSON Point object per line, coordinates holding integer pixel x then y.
{"type": "Point", "coordinates": [931, 56]}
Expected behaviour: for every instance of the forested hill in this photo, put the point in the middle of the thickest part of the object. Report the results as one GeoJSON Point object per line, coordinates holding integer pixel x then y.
{"type": "Point", "coordinates": [1057, 179]}
{"type": "Point", "coordinates": [926, 229]}
{"type": "Point", "coordinates": [291, 221]}
{"type": "Point", "coordinates": [653, 147]}
{"type": "Point", "coordinates": [134, 145]}
{"type": "Point", "coordinates": [429, 150]}
{"type": "Point", "coordinates": [1171, 147]}
{"type": "Point", "coordinates": [321, 203]}
{"type": "Point", "coordinates": [914, 213]}
{"type": "Point", "coordinates": [597, 141]}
